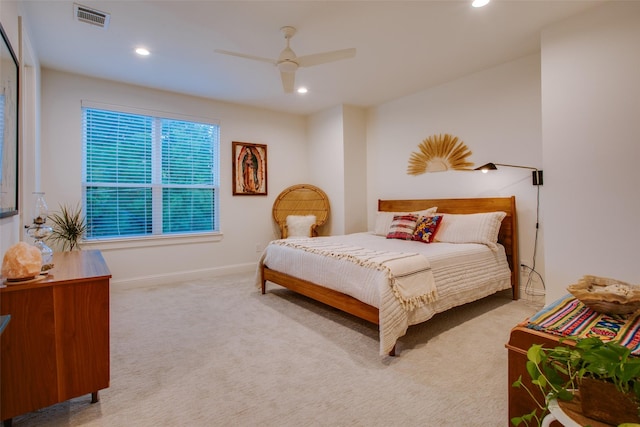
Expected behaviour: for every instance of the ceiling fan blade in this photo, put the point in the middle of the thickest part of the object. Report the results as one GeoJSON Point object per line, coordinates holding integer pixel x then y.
{"type": "Point", "coordinates": [288, 81]}
{"type": "Point", "coordinates": [242, 55]}
{"type": "Point", "coordinates": [323, 58]}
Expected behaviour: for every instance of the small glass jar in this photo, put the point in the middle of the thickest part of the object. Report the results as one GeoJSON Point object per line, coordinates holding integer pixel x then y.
{"type": "Point", "coordinates": [40, 208]}
{"type": "Point", "coordinates": [39, 230]}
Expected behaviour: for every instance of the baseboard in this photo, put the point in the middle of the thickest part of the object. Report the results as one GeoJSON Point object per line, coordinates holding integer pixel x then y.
{"type": "Point", "coordinates": [182, 276]}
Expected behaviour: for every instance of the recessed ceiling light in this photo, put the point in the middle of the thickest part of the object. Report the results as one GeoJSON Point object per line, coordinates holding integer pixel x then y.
{"type": "Point", "coordinates": [142, 51]}
{"type": "Point", "coordinates": [302, 90]}
{"type": "Point", "coordinates": [480, 3]}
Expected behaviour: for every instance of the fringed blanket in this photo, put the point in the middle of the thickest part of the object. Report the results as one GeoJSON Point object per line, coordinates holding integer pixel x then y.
{"type": "Point", "coordinates": [409, 274]}
{"type": "Point", "coordinates": [569, 318]}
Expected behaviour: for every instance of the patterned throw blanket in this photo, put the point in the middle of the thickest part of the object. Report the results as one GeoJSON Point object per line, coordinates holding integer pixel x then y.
{"type": "Point", "coordinates": [569, 318]}
{"type": "Point", "coordinates": [409, 274]}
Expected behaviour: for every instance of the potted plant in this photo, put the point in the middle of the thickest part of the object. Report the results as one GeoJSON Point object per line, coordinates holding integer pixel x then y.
{"type": "Point", "coordinates": [590, 365]}
{"type": "Point", "coordinates": [69, 226]}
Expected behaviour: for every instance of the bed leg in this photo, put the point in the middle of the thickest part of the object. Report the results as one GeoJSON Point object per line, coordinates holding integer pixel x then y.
{"type": "Point", "coordinates": [263, 287]}
{"type": "Point", "coordinates": [392, 353]}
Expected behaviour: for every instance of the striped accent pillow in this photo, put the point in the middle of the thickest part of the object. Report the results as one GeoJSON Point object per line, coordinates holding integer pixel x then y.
{"type": "Point", "coordinates": [384, 219]}
{"type": "Point", "coordinates": [471, 228]}
{"type": "Point", "coordinates": [402, 227]}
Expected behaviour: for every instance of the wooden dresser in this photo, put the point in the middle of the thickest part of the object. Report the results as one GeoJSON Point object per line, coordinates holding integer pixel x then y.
{"type": "Point", "coordinates": [56, 346]}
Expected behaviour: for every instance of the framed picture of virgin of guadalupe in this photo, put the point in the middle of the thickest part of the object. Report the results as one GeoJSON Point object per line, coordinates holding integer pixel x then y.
{"type": "Point", "coordinates": [249, 169]}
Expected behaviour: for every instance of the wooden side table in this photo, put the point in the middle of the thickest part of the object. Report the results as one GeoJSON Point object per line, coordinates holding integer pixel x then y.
{"type": "Point", "coordinates": [56, 346]}
{"type": "Point", "coordinates": [520, 340]}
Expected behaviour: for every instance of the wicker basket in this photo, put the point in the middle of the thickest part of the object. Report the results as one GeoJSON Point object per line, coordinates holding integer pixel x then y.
{"type": "Point", "coordinates": [606, 295]}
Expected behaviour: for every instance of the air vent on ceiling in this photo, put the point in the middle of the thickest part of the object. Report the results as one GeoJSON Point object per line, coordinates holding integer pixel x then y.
{"type": "Point", "coordinates": [91, 16]}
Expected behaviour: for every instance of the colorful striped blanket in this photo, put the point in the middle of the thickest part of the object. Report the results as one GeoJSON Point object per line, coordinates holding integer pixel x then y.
{"type": "Point", "coordinates": [568, 317]}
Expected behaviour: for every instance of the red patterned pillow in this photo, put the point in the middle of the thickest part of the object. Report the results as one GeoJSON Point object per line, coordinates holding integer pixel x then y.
{"type": "Point", "coordinates": [426, 228]}
{"type": "Point", "coordinates": [402, 227]}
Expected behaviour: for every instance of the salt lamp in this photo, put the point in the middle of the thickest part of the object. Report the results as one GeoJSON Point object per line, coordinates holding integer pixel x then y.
{"type": "Point", "coordinates": [21, 261]}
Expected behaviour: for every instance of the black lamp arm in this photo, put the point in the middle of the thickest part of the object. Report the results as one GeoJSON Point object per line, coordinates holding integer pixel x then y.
{"type": "Point", "coordinates": [516, 166]}
{"type": "Point", "coordinates": [536, 173]}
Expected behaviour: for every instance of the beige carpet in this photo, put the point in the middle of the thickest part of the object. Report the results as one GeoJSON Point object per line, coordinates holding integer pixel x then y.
{"type": "Point", "coordinates": [216, 353]}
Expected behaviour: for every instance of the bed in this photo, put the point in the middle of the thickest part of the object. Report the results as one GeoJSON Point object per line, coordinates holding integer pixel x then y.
{"type": "Point", "coordinates": [461, 272]}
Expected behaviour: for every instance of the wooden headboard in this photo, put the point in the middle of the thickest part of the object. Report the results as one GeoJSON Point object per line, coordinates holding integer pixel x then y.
{"type": "Point", "coordinates": [507, 237]}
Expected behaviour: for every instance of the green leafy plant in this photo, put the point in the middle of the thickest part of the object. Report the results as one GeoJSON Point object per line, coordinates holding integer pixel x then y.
{"type": "Point", "coordinates": [558, 371]}
{"type": "Point", "coordinates": [69, 226]}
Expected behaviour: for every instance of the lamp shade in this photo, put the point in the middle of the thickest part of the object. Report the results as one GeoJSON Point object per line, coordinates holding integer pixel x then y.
{"type": "Point", "coordinates": [487, 167]}
{"type": "Point", "coordinates": [536, 174]}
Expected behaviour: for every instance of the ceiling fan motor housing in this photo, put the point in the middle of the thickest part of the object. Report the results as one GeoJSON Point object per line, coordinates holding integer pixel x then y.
{"type": "Point", "coordinates": [287, 59]}
{"type": "Point", "coordinates": [287, 66]}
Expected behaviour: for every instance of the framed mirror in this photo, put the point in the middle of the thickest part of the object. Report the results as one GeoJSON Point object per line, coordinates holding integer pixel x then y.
{"type": "Point", "coordinates": [8, 128]}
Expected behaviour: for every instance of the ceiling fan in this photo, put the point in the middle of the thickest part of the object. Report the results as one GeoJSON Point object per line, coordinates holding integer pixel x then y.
{"type": "Point", "coordinates": [288, 62]}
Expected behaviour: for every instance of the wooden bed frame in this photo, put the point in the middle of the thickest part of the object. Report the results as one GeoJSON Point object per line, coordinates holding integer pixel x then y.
{"type": "Point", "coordinates": [508, 237]}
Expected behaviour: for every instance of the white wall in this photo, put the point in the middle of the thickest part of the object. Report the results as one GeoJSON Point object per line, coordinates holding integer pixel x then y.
{"type": "Point", "coordinates": [326, 163]}
{"type": "Point", "coordinates": [496, 112]}
{"type": "Point", "coordinates": [591, 128]}
{"type": "Point", "coordinates": [337, 160]}
{"type": "Point", "coordinates": [355, 169]}
{"type": "Point", "coordinates": [245, 220]}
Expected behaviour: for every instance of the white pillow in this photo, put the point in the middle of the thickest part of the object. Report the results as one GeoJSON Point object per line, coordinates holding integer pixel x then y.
{"type": "Point", "coordinates": [300, 225]}
{"type": "Point", "coordinates": [384, 219]}
{"type": "Point", "coordinates": [471, 228]}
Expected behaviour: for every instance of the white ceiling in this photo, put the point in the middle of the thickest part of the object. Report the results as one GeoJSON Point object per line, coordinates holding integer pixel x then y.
{"type": "Point", "coordinates": [402, 46]}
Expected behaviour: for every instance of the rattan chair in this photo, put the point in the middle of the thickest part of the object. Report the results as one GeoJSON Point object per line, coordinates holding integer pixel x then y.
{"type": "Point", "coordinates": [301, 199]}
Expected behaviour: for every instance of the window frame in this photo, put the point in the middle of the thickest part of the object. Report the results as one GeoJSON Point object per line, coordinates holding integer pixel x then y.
{"type": "Point", "coordinates": [159, 239]}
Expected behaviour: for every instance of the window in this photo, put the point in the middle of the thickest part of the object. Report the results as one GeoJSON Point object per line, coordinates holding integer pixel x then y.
{"type": "Point", "coordinates": [148, 176]}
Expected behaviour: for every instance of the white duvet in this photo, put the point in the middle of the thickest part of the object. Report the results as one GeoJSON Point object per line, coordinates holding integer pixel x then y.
{"type": "Point", "coordinates": [462, 273]}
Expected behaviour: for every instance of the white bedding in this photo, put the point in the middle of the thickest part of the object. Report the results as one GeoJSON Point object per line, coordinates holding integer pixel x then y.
{"type": "Point", "coordinates": [462, 273]}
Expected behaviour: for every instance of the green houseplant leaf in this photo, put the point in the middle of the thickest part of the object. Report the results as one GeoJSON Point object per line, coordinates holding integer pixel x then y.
{"type": "Point", "coordinates": [69, 227]}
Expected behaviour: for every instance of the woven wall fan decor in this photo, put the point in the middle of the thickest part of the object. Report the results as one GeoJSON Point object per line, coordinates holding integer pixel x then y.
{"type": "Point", "coordinates": [439, 153]}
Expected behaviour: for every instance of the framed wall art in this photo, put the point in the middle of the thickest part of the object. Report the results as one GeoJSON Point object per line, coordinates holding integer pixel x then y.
{"type": "Point", "coordinates": [249, 169]}
{"type": "Point", "coordinates": [8, 128]}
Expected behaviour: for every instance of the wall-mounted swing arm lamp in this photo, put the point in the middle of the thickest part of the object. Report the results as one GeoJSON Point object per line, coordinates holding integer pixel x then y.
{"type": "Point", "coordinates": [536, 174]}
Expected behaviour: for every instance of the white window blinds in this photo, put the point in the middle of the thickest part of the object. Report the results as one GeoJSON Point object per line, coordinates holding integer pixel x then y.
{"type": "Point", "coordinates": [145, 175]}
